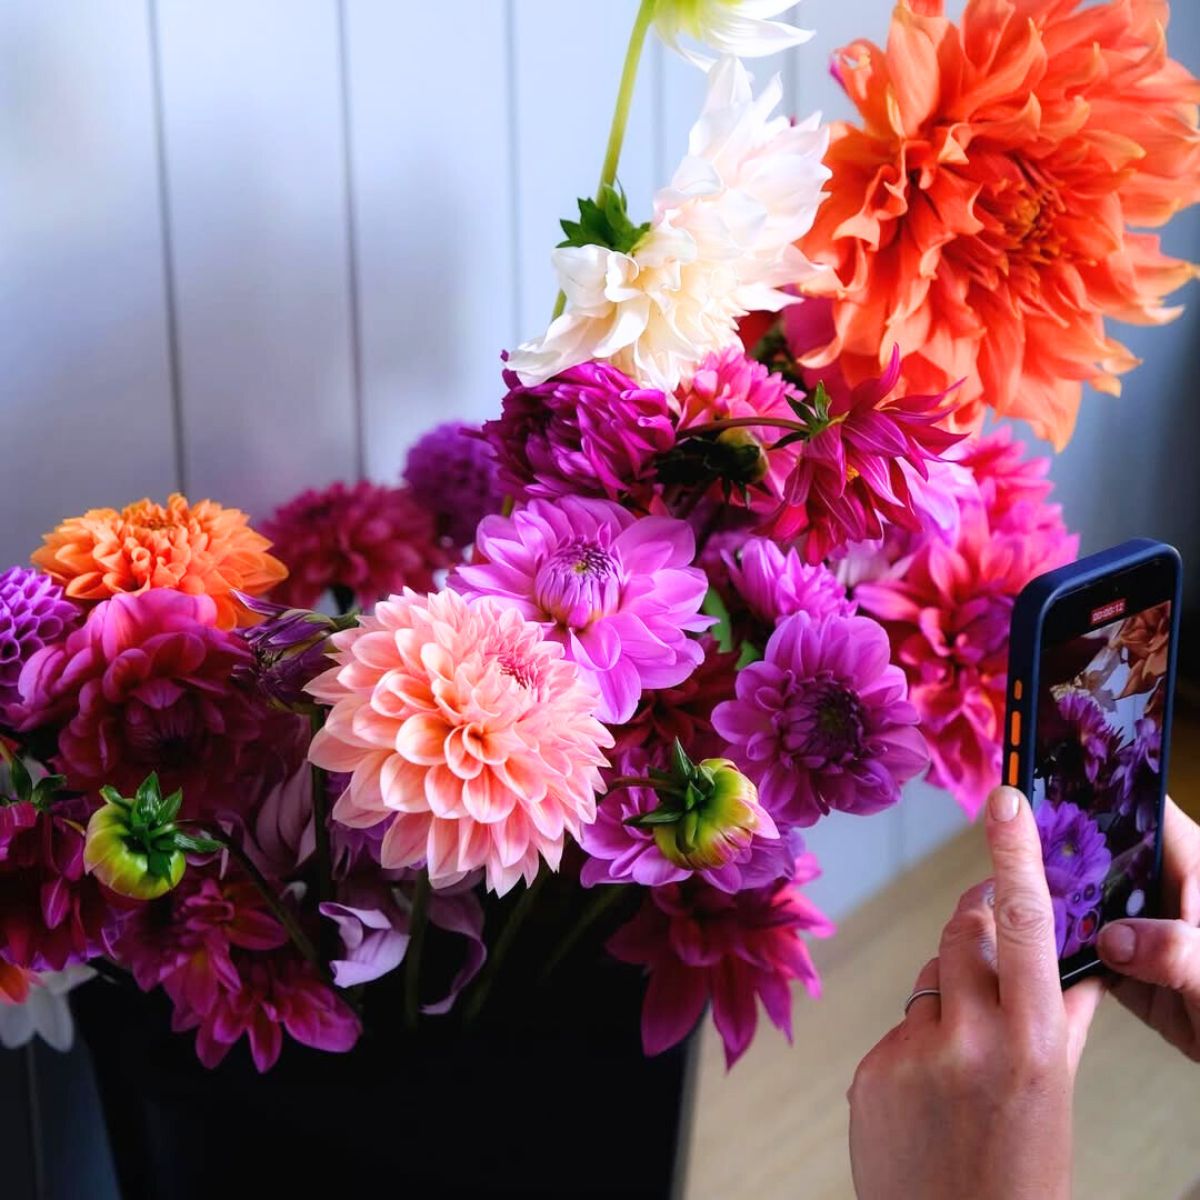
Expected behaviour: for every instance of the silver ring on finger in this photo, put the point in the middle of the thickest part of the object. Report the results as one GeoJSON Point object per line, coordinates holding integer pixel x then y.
{"type": "Point", "coordinates": [915, 996]}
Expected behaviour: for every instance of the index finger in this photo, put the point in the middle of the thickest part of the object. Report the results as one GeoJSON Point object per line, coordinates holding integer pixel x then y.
{"type": "Point", "coordinates": [1026, 951]}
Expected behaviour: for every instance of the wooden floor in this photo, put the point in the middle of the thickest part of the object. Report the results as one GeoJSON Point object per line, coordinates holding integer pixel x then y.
{"type": "Point", "coordinates": [775, 1128]}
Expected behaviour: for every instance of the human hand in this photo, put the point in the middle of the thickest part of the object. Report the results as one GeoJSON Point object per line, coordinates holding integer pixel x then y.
{"type": "Point", "coordinates": [1159, 961]}
{"type": "Point", "coordinates": [970, 1095]}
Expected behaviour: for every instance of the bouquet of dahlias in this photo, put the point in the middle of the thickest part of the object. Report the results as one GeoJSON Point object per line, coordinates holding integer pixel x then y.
{"type": "Point", "coordinates": [733, 554]}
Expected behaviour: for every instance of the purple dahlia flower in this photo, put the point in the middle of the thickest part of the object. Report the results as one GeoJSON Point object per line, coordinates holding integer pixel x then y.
{"type": "Point", "coordinates": [823, 721]}
{"type": "Point", "coordinates": [452, 473]}
{"type": "Point", "coordinates": [33, 613]}
{"type": "Point", "coordinates": [618, 592]}
{"type": "Point", "coordinates": [1077, 862]}
{"type": "Point", "coordinates": [590, 430]}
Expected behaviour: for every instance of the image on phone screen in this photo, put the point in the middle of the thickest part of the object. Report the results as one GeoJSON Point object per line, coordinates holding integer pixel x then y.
{"type": "Point", "coordinates": [1098, 772]}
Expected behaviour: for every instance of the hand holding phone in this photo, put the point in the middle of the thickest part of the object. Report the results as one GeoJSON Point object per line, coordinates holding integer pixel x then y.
{"type": "Point", "coordinates": [1091, 686]}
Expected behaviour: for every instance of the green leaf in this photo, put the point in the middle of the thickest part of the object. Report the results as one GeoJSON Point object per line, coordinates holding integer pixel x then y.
{"type": "Point", "coordinates": [682, 767]}
{"type": "Point", "coordinates": [169, 809]}
{"type": "Point", "coordinates": [148, 792]}
{"type": "Point", "coordinates": [714, 606]}
{"type": "Point", "coordinates": [21, 781]}
{"type": "Point", "coordinates": [750, 653]}
{"type": "Point", "coordinates": [604, 222]}
{"type": "Point", "coordinates": [158, 864]}
{"type": "Point", "coordinates": [656, 816]}
{"type": "Point", "coordinates": [45, 788]}
{"type": "Point", "coordinates": [112, 796]}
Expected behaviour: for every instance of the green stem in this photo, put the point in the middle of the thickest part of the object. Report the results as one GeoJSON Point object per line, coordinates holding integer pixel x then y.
{"type": "Point", "coordinates": [742, 423]}
{"type": "Point", "coordinates": [626, 781]}
{"type": "Point", "coordinates": [620, 118]}
{"type": "Point", "coordinates": [607, 898]}
{"type": "Point", "coordinates": [417, 923]}
{"type": "Point", "coordinates": [503, 943]}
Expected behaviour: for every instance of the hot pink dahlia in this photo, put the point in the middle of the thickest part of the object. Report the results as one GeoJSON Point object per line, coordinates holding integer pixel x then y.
{"type": "Point", "coordinates": [728, 385]}
{"type": "Point", "coordinates": [589, 431]}
{"type": "Point", "coordinates": [948, 617]}
{"type": "Point", "coordinates": [823, 721]}
{"type": "Point", "coordinates": [51, 911]}
{"type": "Point", "coordinates": [148, 683]}
{"type": "Point", "coordinates": [624, 853]}
{"type": "Point", "coordinates": [699, 944]}
{"type": "Point", "coordinates": [360, 542]}
{"type": "Point", "coordinates": [773, 583]}
{"type": "Point", "coordinates": [864, 466]}
{"type": "Point", "coordinates": [467, 730]}
{"type": "Point", "coordinates": [619, 593]}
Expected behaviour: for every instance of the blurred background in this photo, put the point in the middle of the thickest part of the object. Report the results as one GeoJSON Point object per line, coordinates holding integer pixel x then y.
{"type": "Point", "coordinates": [253, 246]}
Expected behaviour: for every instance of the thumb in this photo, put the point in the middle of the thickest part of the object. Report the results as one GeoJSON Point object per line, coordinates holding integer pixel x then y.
{"type": "Point", "coordinates": [1164, 953]}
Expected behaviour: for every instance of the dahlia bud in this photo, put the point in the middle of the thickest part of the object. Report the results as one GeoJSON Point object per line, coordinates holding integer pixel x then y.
{"type": "Point", "coordinates": [708, 815]}
{"type": "Point", "coordinates": [134, 847]}
{"type": "Point", "coordinates": [746, 460]}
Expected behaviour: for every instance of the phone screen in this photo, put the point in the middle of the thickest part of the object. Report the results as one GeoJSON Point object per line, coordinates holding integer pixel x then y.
{"type": "Point", "coordinates": [1098, 764]}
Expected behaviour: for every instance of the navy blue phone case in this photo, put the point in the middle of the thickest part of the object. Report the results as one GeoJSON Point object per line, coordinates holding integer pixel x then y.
{"type": "Point", "coordinates": [1029, 614]}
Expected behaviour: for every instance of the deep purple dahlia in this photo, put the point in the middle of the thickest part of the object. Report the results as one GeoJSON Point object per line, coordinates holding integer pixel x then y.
{"type": "Point", "coordinates": [1077, 861]}
{"type": "Point", "coordinates": [452, 473]}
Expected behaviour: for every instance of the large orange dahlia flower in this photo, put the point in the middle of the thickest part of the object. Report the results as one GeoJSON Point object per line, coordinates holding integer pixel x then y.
{"type": "Point", "coordinates": [980, 219]}
{"type": "Point", "coordinates": [202, 549]}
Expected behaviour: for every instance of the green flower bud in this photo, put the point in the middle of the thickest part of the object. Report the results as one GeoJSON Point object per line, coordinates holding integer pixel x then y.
{"type": "Point", "coordinates": [745, 459]}
{"type": "Point", "coordinates": [708, 814]}
{"type": "Point", "coordinates": [134, 847]}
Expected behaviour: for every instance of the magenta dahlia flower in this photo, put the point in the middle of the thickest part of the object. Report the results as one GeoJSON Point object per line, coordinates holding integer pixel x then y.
{"type": "Point", "coordinates": [700, 946]}
{"type": "Point", "coordinates": [1137, 778]}
{"type": "Point", "coordinates": [148, 683]}
{"type": "Point", "coordinates": [1077, 861]}
{"type": "Point", "coordinates": [948, 615]}
{"type": "Point", "coordinates": [619, 593]}
{"type": "Point", "coordinates": [589, 431]}
{"type": "Point", "coordinates": [1006, 478]}
{"type": "Point", "coordinates": [361, 542]}
{"type": "Point", "coordinates": [51, 911]}
{"type": "Point", "coordinates": [452, 474]}
{"type": "Point", "coordinates": [467, 731]}
{"type": "Point", "coordinates": [773, 583]}
{"type": "Point", "coordinates": [33, 613]}
{"type": "Point", "coordinates": [822, 722]}
{"type": "Point", "coordinates": [857, 474]}
{"type": "Point", "coordinates": [730, 386]}
{"type": "Point", "coordinates": [625, 853]}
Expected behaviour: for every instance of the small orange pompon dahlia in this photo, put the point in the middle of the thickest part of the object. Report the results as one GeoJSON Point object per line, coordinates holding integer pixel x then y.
{"type": "Point", "coordinates": [201, 549]}
{"type": "Point", "coordinates": [980, 219]}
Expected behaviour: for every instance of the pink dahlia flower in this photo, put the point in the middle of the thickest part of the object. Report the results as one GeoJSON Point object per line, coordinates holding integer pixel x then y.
{"type": "Point", "coordinates": [701, 945]}
{"type": "Point", "coordinates": [618, 592]}
{"type": "Point", "coordinates": [823, 721]}
{"type": "Point", "coordinates": [148, 684]}
{"type": "Point", "coordinates": [360, 542]}
{"type": "Point", "coordinates": [51, 911]}
{"type": "Point", "coordinates": [857, 474]}
{"type": "Point", "coordinates": [588, 431]}
{"type": "Point", "coordinates": [467, 730]}
{"type": "Point", "coordinates": [948, 616]}
{"type": "Point", "coordinates": [773, 583]}
{"type": "Point", "coordinates": [1006, 478]}
{"type": "Point", "coordinates": [275, 993]}
{"type": "Point", "coordinates": [728, 385]}
{"type": "Point", "coordinates": [621, 853]}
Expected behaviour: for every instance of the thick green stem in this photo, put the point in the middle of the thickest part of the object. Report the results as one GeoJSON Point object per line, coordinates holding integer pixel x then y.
{"type": "Point", "coordinates": [417, 923]}
{"type": "Point", "coordinates": [620, 118]}
{"type": "Point", "coordinates": [503, 943]}
{"type": "Point", "coordinates": [607, 898]}
{"type": "Point", "coordinates": [742, 423]}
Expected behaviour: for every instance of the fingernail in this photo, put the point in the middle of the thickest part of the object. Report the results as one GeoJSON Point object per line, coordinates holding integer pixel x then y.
{"type": "Point", "coordinates": [1004, 803]}
{"type": "Point", "coordinates": [1118, 942]}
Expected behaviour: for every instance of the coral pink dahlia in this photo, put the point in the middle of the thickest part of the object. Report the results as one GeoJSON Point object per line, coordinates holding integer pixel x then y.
{"type": "Point", "coordinates": [467, 729]}
{"type": "Point", "coordinates": [619, 593]}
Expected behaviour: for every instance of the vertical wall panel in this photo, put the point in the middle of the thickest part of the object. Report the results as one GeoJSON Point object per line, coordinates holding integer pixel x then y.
{"type": "Point", "coordinates": [433, 216]}
{"type": "Point", "coordinates": [252, 114]}
{"type": "Point", "coordinates": [568, 67]}
{"type": "Point", "coordinates": [84, 380]}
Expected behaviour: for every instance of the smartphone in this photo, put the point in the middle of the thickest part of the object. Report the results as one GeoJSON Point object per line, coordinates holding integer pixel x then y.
{"type": "Point", "coordinates": [1091, 685]}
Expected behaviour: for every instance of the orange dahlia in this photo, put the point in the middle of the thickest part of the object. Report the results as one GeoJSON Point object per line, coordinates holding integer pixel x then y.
{"type": "Point", "coordinates": [202, 549]}
{"type": "Point", "coordinates": [980, 219]}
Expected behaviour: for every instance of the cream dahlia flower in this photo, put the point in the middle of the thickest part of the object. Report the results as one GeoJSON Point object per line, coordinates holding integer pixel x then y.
{"type": "Point", "coordinates": [741, 27]}
{"type": "Point", "coordinates": [470, 735]}
{"type": "Point", "coordinates": [720, 245]}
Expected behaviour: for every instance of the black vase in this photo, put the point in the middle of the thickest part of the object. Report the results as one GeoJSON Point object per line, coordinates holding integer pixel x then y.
{"type": "Point", "coordinates": [551, 1096]}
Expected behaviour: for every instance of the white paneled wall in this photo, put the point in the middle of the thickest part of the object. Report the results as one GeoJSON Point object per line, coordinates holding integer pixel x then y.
{"type": "Point", "coordinates": [248, 246]}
